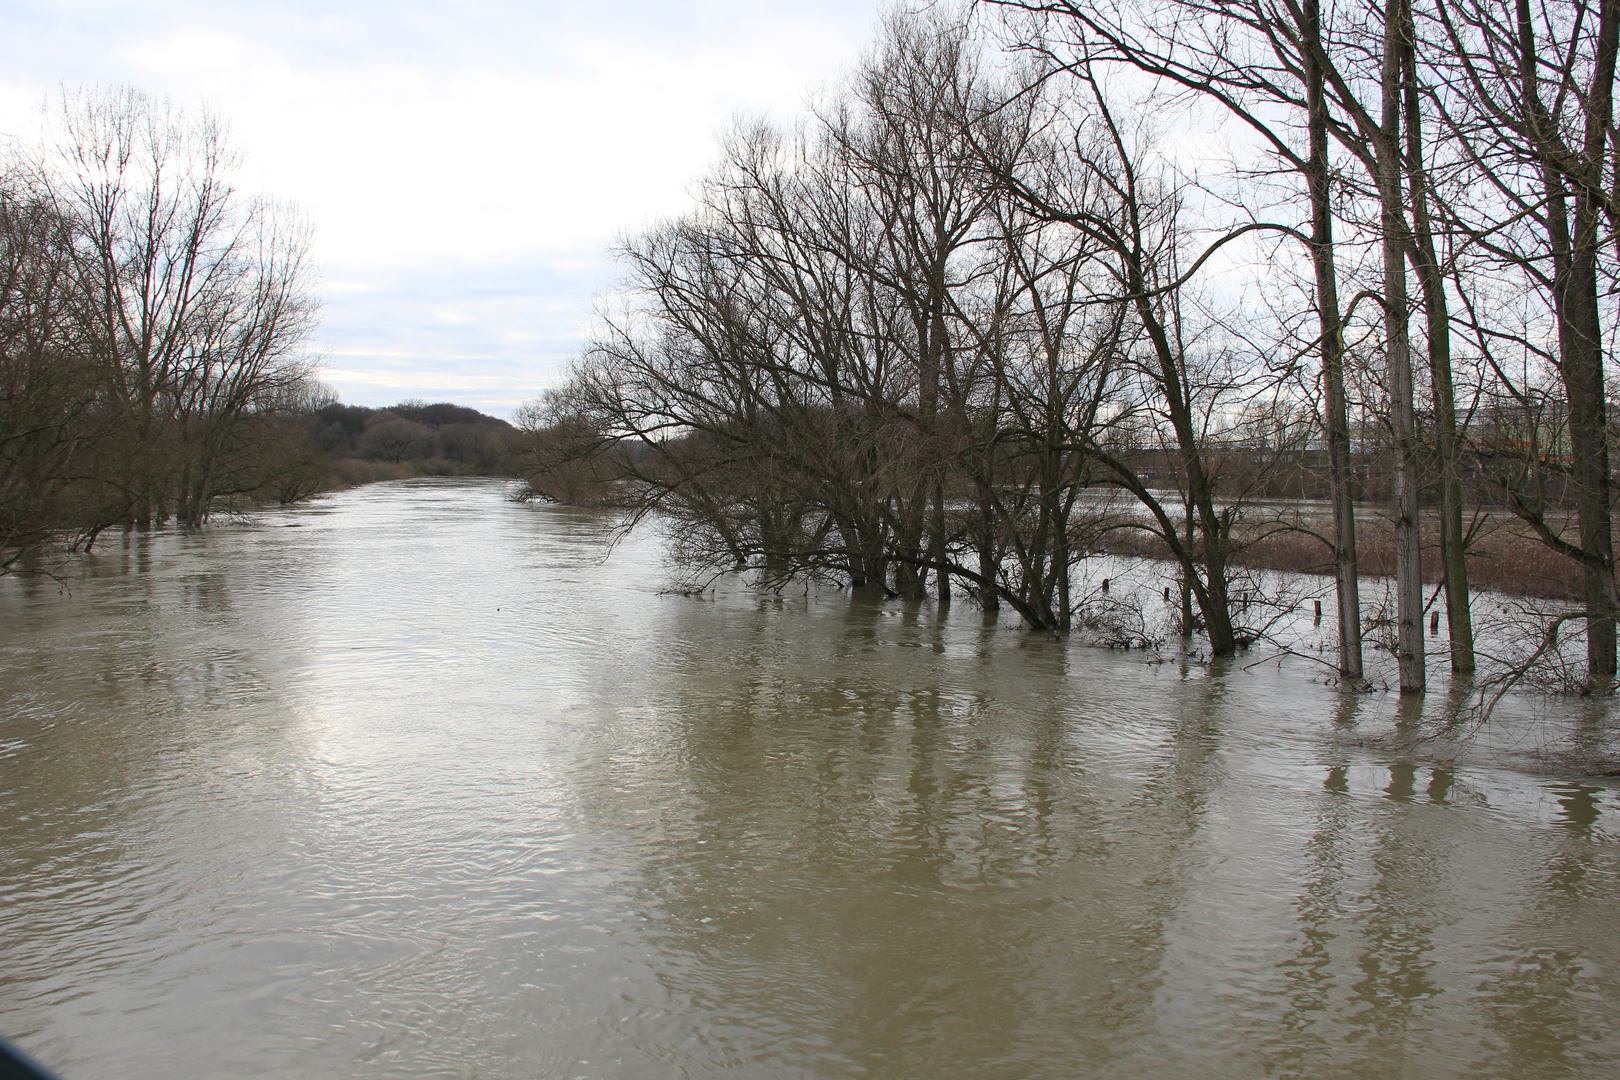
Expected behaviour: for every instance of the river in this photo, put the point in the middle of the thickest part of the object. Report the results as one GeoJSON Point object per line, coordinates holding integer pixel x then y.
{"type": "Point", "coordinates": [413, 782]}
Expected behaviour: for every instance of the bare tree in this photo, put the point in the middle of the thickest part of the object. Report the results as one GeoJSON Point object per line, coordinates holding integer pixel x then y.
{"type": "Point", "coordinates": [1098, 185]}
{"type": "Point", "coordinates": [53, 422]}
{"type": "Point", "coordinates": [194, 300]}
{"type": "Point", "coordinates": [1531, 102]}
{"type": "Point", "coordinates": [1276, 59]}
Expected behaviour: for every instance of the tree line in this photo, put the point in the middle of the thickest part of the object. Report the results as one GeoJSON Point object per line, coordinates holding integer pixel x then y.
{"type": "Point", "coordinates": [153, 326]}
{"type": "Point", "coordinates": [1042, 274]}
{"type": "Point", "coordinates": [155, 362]}
{"type": "Point", "coordinates": [439, 439]}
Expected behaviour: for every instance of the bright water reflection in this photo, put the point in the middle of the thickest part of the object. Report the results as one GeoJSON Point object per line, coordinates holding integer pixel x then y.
{"type": "Point", "coordinates": [410, 783]}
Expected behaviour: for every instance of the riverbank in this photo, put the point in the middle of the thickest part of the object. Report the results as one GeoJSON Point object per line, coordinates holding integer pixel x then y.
{"type": "Point", "coordinates": [1503, 555]}
{"type": "Point", "coordinates": [346, 473]}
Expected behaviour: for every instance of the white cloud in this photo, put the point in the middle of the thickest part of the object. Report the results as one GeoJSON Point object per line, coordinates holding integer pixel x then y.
{"type": "Point", "coordinates": [466, 166]}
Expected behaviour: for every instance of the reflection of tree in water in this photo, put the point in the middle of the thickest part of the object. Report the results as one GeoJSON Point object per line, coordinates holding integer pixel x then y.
{"type": "Point", "coordinates": [1359, 983]}
{"type": "Point", "coordinates": [1309, 981]}
{"type": "Point", "coordinates": [1550, 1007]}
{"type": "Point", "coordinates": [142, 727]}
{"type": "Point", "coordinates": [887, 867]}
{"type": "Point", "coordinates": [1375, 981]}
{"type": "Point", "coordinates": [871, 840]}
{"type": "Point", "coordinates": [1409, 893]}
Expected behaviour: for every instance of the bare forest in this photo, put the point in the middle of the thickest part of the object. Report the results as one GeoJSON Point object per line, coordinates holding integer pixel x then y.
{"type": "Point", "coordinates": [153, 323]}
{"type": "Point", "coordinates": [155, 362]}
{"type": "Point", "coordinates": [1226, 283]}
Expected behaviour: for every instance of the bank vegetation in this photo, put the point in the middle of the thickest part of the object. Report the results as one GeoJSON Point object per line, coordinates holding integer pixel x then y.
{"type": "Point", "coordinates": [155, 363]}
{"type": "Point", "coordinates": [153, 327]}
{"type": "Point", "coordinates": [1221, 281]}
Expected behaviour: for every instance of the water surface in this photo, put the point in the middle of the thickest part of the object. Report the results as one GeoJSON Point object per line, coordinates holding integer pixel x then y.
{"type": "Point", "coordinates": [412, 783]}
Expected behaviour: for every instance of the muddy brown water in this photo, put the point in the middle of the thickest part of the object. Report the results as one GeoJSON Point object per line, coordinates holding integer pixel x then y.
{"type": "Point", "coordinates": [412, 783]}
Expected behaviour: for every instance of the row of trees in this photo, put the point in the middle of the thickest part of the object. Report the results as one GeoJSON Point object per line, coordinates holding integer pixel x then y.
{"type": "Point", "coordinates": [925, 339]}
{"type": "Point", "coordinates": [1468, 145]}
{"type": "Point", "coordinates": [442, 435]}
{"type": "Point", "coordinates": [153, 326]}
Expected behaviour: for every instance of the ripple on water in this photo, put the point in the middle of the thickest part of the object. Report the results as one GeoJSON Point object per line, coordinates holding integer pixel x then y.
{"type": "Point", "coordinates": [426, 787]}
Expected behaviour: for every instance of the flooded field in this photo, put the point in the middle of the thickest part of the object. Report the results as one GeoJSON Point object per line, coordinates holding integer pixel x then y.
{"type": "Point", "coordinates": [412, 782]}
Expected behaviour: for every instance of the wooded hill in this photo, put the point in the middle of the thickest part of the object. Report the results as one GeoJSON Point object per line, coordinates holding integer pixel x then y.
{"type": "Point", "coordinates": [410, 439]}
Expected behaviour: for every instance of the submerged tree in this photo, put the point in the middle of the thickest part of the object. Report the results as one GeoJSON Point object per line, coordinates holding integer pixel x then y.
{"type": "Point", "coordinates": [1529, 99]}
{"type": "Point", "coordinates": [155, 323]}
{"type": "Point", "coordinates": [195, 297]}
{"type": "Point", "coordinates": [54, 424]}
{"type": "Point", "coordinates": [923, 341]}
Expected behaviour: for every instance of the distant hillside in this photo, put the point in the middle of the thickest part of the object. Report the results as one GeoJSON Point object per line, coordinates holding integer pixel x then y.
{"type": "Point", "coordinates": [411, 439]}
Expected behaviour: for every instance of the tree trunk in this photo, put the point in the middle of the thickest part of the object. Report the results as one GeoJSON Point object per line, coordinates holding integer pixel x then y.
{"type": "Point", "coordinates": [1335, 419]}
{"type": "Point", "coordinates": [1590, 420]}
{"type": "Point", "coordinates": [1580, 340]}
{"type": "Point", "coordinates": [989, 595]}
{"type": "Point", "coordinates": [1186, 584]}
{"type": "Point", "coordinates": [1398, 353]}
{"type": "Point", "coordinates": [1459, 620]}
{"type": "Point", "coordinates": [1214, 603]}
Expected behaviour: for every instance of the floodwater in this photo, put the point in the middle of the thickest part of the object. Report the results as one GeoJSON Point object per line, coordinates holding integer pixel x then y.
{"type": "Point", "coordinates": [412, 783]}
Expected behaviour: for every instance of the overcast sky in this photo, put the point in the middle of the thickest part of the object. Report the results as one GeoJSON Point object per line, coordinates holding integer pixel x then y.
{"type": "Point", "coordinates": [466, 166]}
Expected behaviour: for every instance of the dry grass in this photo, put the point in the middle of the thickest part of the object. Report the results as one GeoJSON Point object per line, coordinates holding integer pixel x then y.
{"type": "Point", "coordinates": [352, 472]}
{"type": "Point", "coordinates": [1502, 558]}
